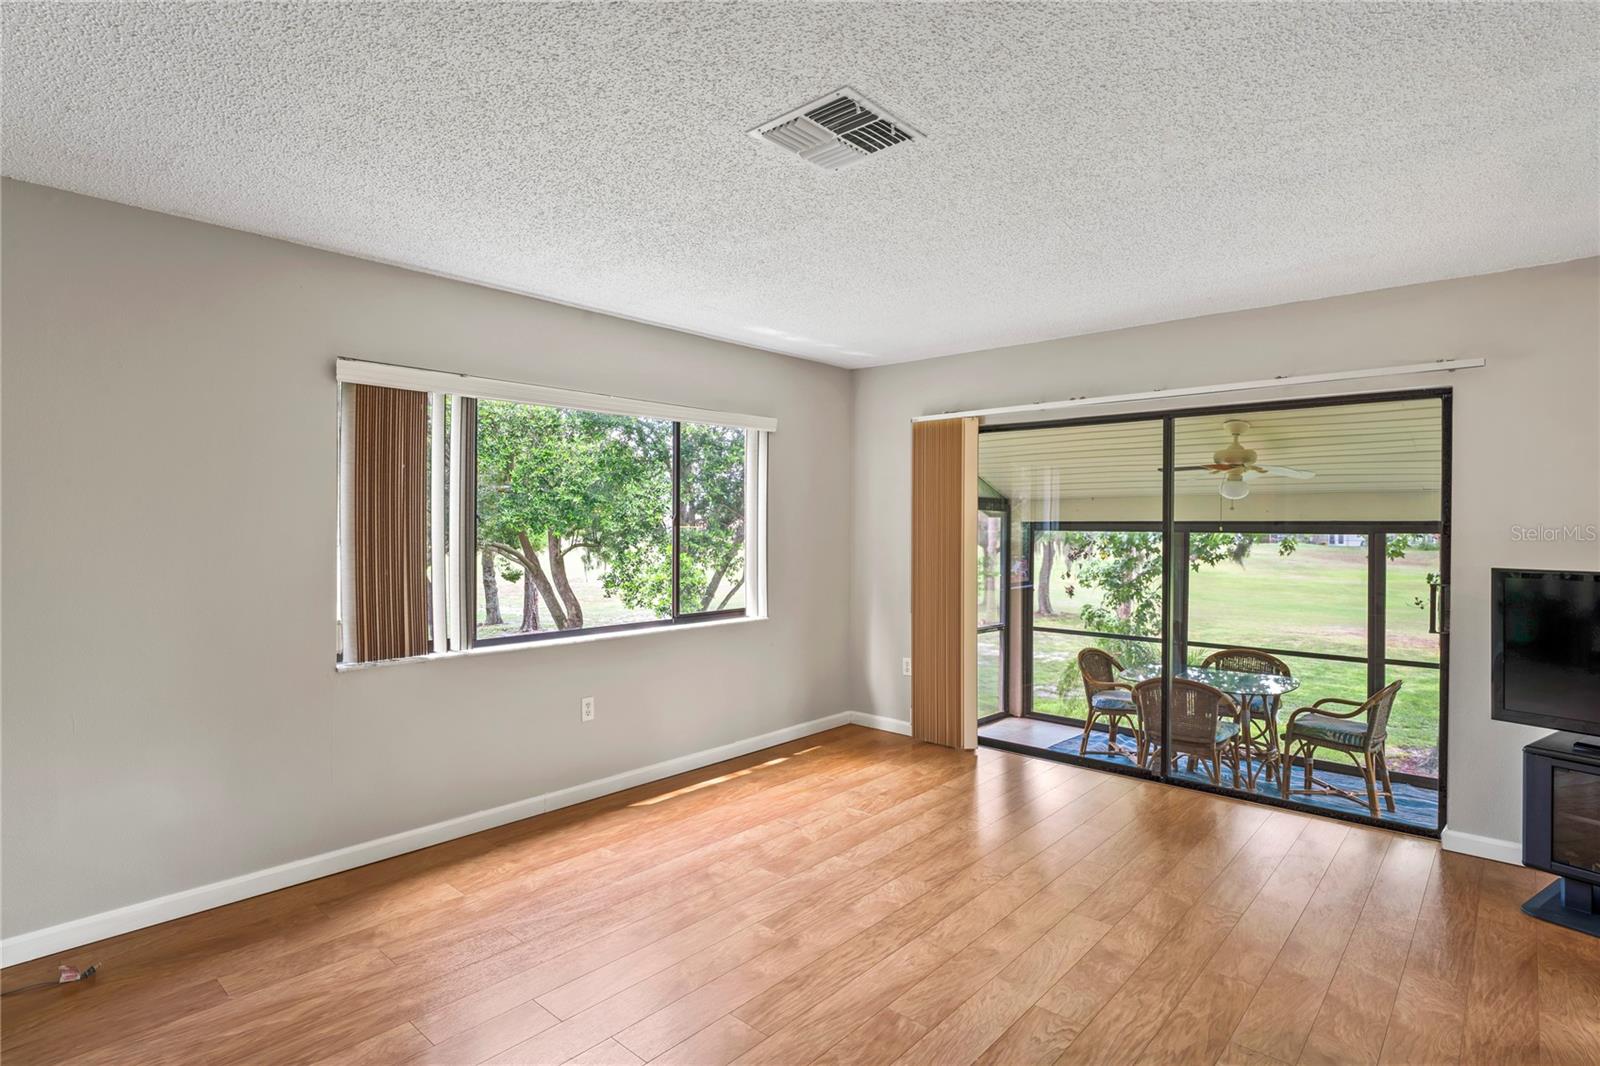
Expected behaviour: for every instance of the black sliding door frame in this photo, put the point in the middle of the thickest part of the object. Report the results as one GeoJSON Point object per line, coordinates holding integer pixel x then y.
{"type": "Point", "coordinates": [1175, 641]}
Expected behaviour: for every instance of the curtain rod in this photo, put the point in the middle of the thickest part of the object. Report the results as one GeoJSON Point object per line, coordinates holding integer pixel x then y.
{"type": "Point", "coordinates": [1435, 367]}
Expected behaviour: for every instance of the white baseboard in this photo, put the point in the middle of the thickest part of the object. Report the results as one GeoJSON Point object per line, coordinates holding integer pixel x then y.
{"type": "Point", "coordinates": [878, 721]}
{"type": "Point", "coordinates": [87, 930]}
{"type": "Point", "coordinates": [1507, 851]}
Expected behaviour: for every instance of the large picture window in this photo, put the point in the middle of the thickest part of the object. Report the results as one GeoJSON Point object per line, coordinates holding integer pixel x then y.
{"type": "Point", "coordinates": [547, 519]}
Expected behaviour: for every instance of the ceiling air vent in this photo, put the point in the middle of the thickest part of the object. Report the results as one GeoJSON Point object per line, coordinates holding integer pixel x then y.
{"type": "Point", "coordinates": [836, 131]}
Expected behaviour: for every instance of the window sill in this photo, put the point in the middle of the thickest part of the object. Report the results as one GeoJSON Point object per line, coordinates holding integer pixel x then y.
{"type": "Point", "coordinates": [553, 642]}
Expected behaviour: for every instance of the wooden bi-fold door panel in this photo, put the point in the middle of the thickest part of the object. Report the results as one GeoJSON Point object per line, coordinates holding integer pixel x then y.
{"type": "Point", "coordinates": [944, 582]}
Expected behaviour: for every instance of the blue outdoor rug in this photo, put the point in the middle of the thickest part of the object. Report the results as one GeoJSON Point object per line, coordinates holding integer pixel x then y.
{"type": "Point", "coordinates": [1413, 806]}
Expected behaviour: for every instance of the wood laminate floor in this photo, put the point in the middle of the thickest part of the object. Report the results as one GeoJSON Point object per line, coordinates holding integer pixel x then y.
{"type": "Point", "coordinates": [855, 897]}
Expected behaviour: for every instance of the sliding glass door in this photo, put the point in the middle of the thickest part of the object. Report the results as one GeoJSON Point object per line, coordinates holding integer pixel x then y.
{"type": "Point", "coordinates": [1286, 563]}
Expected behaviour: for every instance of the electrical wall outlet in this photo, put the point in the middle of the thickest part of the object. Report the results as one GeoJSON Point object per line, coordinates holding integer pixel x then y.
{"type": "Point", "coordinates": [588, 708]}
{"type": "Point", "coordinates": [905, 667]}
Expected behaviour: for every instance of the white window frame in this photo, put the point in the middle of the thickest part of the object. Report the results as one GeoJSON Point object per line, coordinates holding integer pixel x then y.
{"type": "Point", "coordinates": [453, 597]}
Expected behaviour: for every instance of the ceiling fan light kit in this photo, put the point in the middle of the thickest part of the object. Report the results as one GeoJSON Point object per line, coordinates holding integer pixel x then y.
{"type": "Point", "coordinates": [1233, 487]}
{"type": "Point", "coordinates": [1233, 461]}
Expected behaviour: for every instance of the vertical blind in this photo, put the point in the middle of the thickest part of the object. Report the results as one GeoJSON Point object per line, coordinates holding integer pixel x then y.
{"type": "Point", "coordinates": [389, 521]}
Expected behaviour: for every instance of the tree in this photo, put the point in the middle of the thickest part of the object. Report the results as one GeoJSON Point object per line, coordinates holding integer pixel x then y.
{"type": "Point", "coordinates": [552, 482]}
{"type": "Point", "coordinates": [711, 526]}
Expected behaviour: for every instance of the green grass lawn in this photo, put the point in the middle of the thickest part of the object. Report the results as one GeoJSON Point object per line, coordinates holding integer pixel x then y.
{"type": "Point", "coordinates": [1311, 600]}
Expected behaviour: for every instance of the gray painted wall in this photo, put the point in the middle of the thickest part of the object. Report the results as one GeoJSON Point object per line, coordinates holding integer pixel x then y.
{"type": "Point", "coordinates": [1527, 453]}
{"type": "Point", "coordinates": [171, 711]}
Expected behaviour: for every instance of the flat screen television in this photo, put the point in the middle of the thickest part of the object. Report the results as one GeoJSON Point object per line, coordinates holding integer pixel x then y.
{"type": "Point", "coordinates": [1545, 642]}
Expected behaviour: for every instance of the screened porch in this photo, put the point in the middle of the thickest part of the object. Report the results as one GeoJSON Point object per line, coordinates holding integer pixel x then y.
{"type": "Point", "coordinates": [1321, 566]}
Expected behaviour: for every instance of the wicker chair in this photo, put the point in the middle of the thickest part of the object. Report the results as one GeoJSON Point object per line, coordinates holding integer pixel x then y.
{"type": "Point", "coordinates": [1147, 700]}
{"type": "Point", "coordinates": [1203, 724]}
{"type": "Point", "coordinates": [1261, 738]}
{"type": "Point", "coordinates": [1359, 735]}
{"type": "Point", "coordinates": [1108, 698]}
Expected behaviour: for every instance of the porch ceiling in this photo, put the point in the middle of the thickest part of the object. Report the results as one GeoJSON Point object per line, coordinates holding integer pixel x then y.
{"type": "Point", "coordinates": [1390, 447]}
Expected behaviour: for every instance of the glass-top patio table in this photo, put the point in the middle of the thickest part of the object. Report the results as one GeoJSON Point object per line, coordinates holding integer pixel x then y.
{"type": "Point", "coordinates": [1251, 691]}
{"type": "Point", "coordinates": [1233, 682]}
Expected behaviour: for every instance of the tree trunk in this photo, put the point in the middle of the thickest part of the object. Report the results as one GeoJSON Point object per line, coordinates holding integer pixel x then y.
{"type": "Point", "coordinates": [558, 575]}
{"type": "Point", "coordinates": [530, 559]}
{"type": "Point", "coordinates": [1041, 584]}
{"type": "Point", "coordinates": [530, 602]}
{"type": "Point", "coordinates": [491, 593]}
{"type": "Point", "coordinates": [711, 589]}
{"type": "Point", "coordinates": [731, 590]}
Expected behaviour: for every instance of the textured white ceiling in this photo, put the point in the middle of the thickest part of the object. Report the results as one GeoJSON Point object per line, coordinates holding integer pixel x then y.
{"type": "Point", "coordinates": [1086, 166]}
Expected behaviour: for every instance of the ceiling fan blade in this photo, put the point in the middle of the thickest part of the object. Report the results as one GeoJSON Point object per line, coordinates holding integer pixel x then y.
{"type": "Point", "coordinates": [1215, 468]}
{"type": "Point", "coordinates": [1285, 471]}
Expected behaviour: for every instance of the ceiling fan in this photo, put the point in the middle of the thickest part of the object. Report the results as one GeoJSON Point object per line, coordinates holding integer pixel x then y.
{"type": "Point", "coordinates": [1237, 464]}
